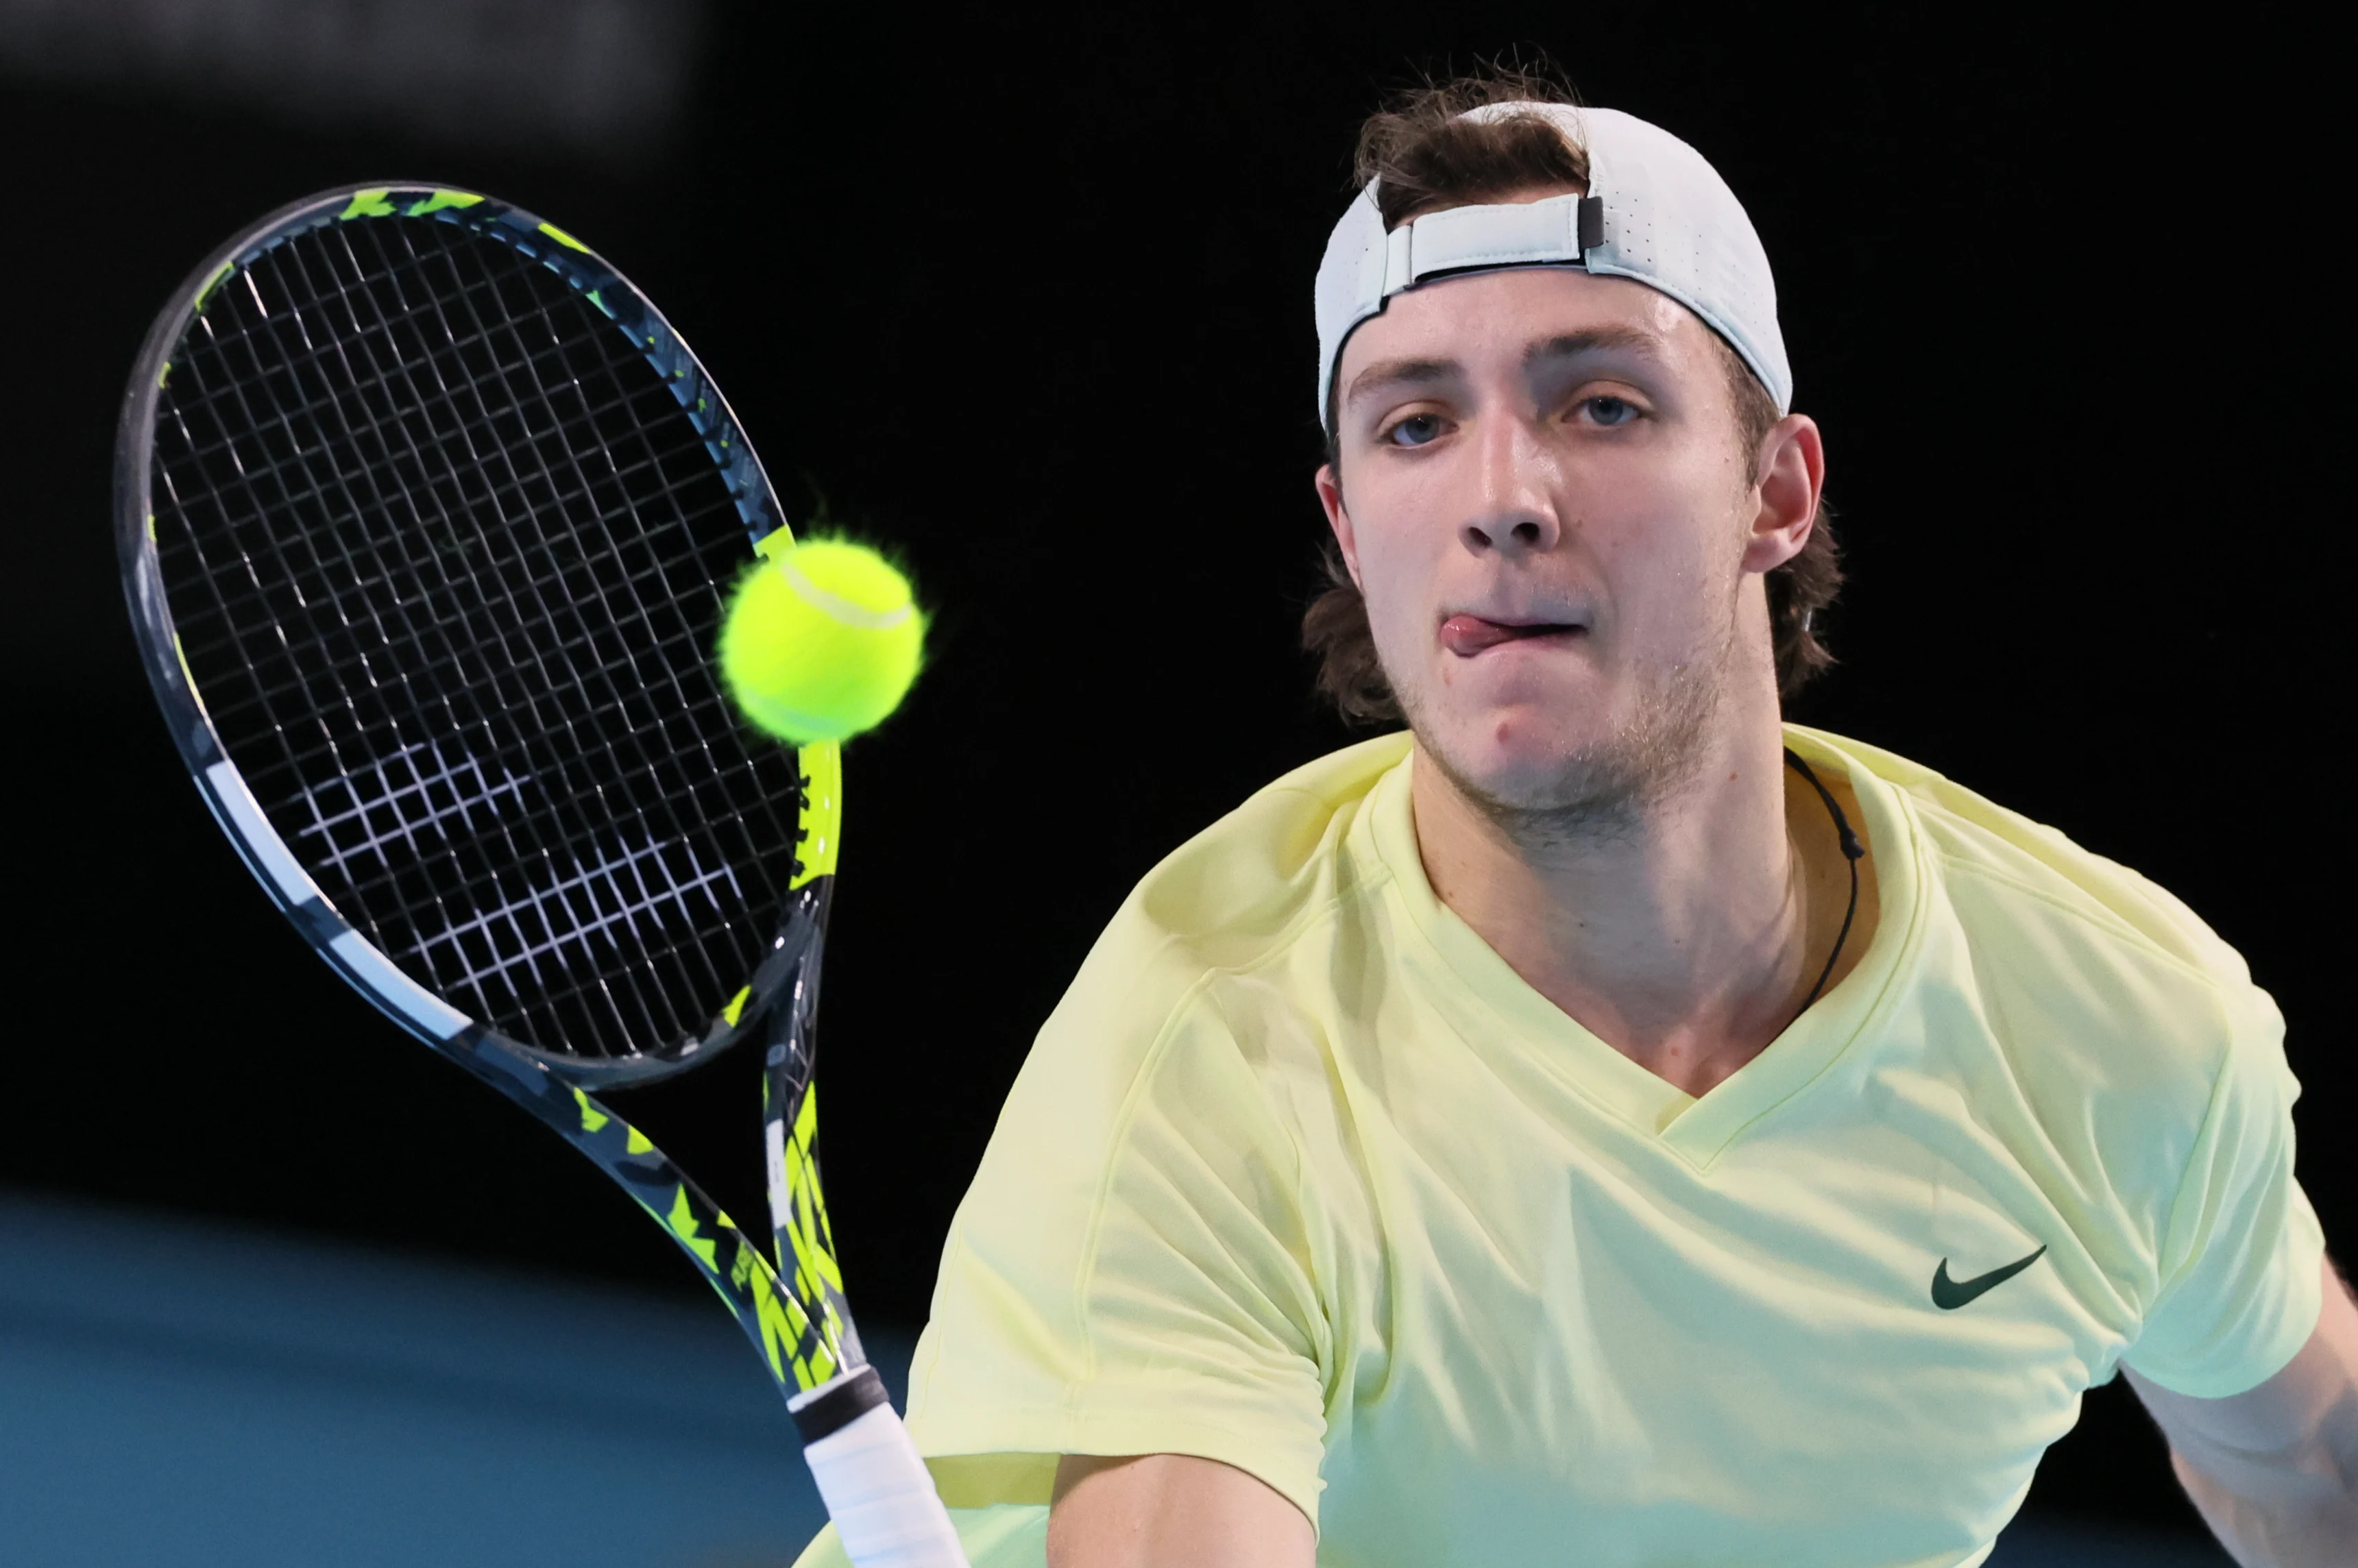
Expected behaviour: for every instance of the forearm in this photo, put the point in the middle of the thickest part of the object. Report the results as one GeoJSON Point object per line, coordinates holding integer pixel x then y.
{"type": "Point", "coordinates": [2283, 1513]}
{"type": "Point", "coordinates": [2275, 1471]}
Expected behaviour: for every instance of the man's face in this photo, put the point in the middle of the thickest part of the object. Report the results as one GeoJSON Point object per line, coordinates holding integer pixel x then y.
{"type": "Point", "coordinates": [1544, 498]}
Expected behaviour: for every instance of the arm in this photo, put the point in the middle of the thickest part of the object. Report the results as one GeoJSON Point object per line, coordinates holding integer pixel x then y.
{"type": "Point", "coordinates": [2275, 1470]}
{"type": "Point", "coordinates": [1169, 1510]}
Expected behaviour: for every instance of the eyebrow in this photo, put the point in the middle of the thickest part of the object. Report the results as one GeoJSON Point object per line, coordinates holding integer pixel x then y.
{"type": "Point", "coordinates": [1597, 340]}
{"type": "Point", "coordinates": [1397, 372]}
{"type": "Point", "coordinates": [1563, 346]}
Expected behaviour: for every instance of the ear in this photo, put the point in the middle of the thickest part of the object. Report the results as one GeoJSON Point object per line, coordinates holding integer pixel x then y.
{"type": "Point", "coordinates": [1788, 476]}
{"type": "Point", "coordinates": [1330, 496]}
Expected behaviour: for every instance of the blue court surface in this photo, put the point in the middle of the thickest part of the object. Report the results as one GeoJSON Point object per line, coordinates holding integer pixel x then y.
{"type": "Point", "coordinates": [175, 1394]}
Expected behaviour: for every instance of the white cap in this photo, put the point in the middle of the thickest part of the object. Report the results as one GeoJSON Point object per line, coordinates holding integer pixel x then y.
{"type": "Point", "coordinates": [1655, 211]}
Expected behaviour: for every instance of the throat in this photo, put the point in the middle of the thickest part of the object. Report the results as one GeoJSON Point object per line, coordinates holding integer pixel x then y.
{"type": "Point", "coordinates": [1691, 940]}
{"type": "Point", "coordinates": [1694, 1054]}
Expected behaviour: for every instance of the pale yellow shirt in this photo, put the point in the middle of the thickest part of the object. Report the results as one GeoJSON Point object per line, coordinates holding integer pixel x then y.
{"type": "Point", "coordinates": [1301, 1176]}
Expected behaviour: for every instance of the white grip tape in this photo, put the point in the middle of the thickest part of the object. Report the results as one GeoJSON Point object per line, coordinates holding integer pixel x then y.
{"type": "Point", "coordinates": [881, 1496]}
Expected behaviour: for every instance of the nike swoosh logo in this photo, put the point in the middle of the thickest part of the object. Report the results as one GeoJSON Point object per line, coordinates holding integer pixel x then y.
{"type": "Point", "coordinates": [1948, 1295]}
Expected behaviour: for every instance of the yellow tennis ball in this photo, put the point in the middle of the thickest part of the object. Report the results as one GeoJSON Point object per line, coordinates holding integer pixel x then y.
{"type": "Point", "coordinates": [821, 642]}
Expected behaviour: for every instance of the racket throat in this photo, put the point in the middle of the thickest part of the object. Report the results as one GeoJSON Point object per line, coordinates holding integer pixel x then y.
{"type": "Point", "coordinates": [835, 1404]}
{"type": "Point", "coordinates": [805, 1243]}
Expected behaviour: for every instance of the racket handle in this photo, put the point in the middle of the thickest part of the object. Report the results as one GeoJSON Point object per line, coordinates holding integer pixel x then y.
{"type": "Point", "coordinates": [877, 1490]}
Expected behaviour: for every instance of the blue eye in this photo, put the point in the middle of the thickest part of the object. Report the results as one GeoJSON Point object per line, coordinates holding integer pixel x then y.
{"type": "Point", "coordinates": [1415, 430]}
{"type": "Point", "coordinates": [1611, 410]}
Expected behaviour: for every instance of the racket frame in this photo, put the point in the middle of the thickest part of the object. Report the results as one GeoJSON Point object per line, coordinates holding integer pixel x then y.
{"type": "Point", "coordinates": [814, 1356]}
{"type": "Point", "coordinates": [266, 853]}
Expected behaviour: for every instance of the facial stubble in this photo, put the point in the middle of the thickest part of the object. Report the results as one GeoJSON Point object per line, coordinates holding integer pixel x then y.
{"type": "Point", "coordinates": [1605, 789]}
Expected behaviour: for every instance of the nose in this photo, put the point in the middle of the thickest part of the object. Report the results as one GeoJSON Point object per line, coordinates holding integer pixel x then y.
{"type": "Point", "coordinates": [1512, 507]}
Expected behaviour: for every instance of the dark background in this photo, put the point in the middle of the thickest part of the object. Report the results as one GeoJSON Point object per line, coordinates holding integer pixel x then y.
{"type": "Point", "coordinates": [1030, 299]}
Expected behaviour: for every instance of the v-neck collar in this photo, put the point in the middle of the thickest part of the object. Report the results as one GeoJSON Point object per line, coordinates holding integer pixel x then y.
{"type": "Point", "coordinates": [1491, 996]}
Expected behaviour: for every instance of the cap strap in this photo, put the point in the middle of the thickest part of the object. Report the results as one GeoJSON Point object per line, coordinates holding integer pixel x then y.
{"type": "Point", "coordinates": [1562, 229]}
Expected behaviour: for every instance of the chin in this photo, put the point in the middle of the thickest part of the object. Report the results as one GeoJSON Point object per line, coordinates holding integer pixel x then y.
{"type": "Point", "coordinates": [1523, 756]}
{"type": "Point", "coordinates": [1576, 753]}
{"type": "Point", "coordinates": [1540, 727]}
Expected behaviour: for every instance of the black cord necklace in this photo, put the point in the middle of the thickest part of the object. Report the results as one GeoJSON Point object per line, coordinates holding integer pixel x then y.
{"type": "Point", "coordinates": [1853, 851]}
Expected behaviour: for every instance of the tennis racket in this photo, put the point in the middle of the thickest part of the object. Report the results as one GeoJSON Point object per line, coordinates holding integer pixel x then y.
{"type": "Point", "coordinates": [426, 517]}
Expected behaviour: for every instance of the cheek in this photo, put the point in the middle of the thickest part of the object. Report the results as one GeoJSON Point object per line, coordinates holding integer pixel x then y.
{"type": "Point", "coordinates": [1668, 543]}
{"type": "Point", "coordinates": [1394, 581]}
{"type": "Point", "coordinates": [1397, 581]}
{"type": "Point", "coordinates": [1397, 543]}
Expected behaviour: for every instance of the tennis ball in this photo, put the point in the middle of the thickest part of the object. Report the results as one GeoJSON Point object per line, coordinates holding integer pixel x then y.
{"type": "Point", "coordinates": [821, 642]}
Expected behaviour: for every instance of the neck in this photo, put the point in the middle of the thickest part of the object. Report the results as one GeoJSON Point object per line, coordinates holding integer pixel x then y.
{"type": "Point", "coordinates": [1685, 931]}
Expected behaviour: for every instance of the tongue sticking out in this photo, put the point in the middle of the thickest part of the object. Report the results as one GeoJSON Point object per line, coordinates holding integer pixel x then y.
{"type": "Point", "coordinates": [1466, 635]}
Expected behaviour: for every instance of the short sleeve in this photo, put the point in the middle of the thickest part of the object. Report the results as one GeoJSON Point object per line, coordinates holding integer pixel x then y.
{"type": "Point", "coordinates": [1131, 1272]}
{"type": "Point", "coordinates": [2240, 1282]}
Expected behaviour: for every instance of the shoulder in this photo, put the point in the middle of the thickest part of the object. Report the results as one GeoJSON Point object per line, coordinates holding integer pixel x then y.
{"type": "Point", "coordinates": [1129, 1255]}
{"type": "Point", "coordinates": [1243, 885]}
{"type": "Point", "coordinates": [2118, 1017]}
{"type": "Point", "coordinates": [1233, 898]}
{"type": "Point", "coordinates": [2112, 1041]}
{"type": "Point", "coordinates": [1230, 899]}
{"type": "Point", "coordinates": [1999, 868]}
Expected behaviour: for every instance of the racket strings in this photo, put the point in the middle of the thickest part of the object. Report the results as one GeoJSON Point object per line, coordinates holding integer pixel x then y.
{"type": "Point", "coordinates": [444, 564]}
{"type": "Point", "coordinates": [471, 433]}
{"type": "Point", "coordinates": [540, 910]}
{"type": "Point", "coordinates": [570, 922]}
{"type": "Point", "coordinates": [638, 895]}
{"type": "Point", "coordinates": [540, 648]}
{"type": "Point", "coordinates": [564, 888]}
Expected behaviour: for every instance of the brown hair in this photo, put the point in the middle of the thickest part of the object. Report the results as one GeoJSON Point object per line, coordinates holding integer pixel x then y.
{"type": "Point", "coordinates": [1426, 157]}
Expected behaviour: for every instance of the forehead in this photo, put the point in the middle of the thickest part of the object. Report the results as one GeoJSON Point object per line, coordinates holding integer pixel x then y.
{"type": "Point", "coordinates": [1493, 319]}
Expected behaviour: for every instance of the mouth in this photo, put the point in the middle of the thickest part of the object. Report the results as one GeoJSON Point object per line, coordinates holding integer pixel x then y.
{"type": "Point", "coordinates": [1468, 635]}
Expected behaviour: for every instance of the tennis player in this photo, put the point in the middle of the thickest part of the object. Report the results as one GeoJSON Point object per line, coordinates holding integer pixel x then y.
{"type": "Point", "coordinates": [1603, 1124]}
